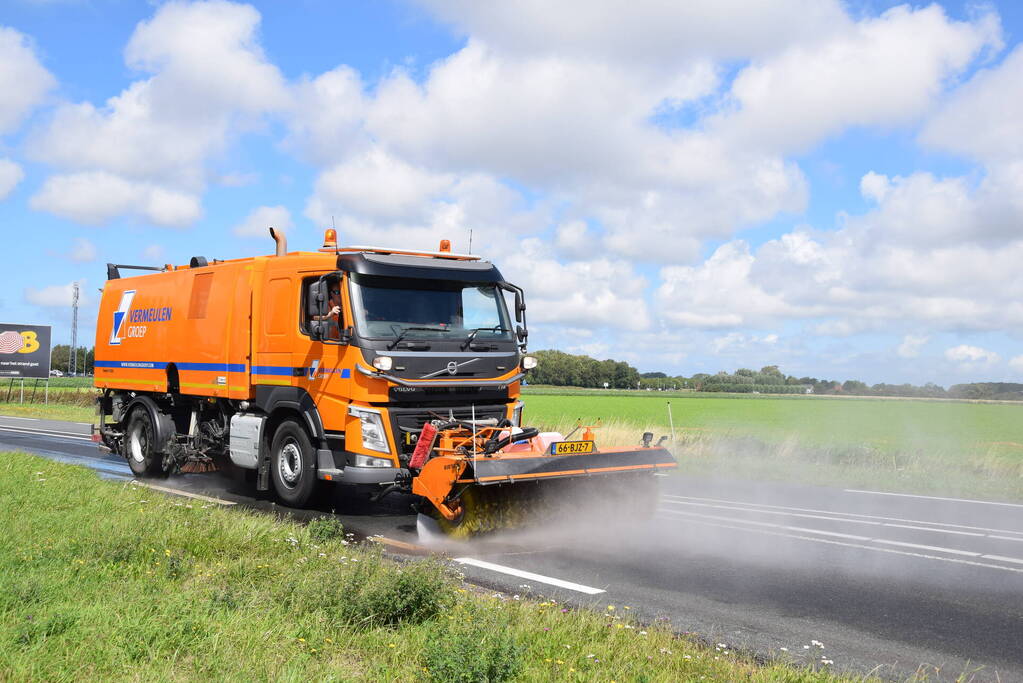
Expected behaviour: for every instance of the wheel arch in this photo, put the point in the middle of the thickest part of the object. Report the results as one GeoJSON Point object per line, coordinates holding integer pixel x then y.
{"type": "Point", "coordinates": [162, 422]}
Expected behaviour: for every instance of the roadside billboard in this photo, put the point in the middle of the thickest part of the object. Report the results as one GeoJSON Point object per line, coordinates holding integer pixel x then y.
{"type": "Point", "coordinates": [24, 350]}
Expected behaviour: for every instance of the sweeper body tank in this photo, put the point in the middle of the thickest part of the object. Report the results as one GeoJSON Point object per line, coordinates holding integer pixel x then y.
{"type": "Point", "coordinates": [308, 367]}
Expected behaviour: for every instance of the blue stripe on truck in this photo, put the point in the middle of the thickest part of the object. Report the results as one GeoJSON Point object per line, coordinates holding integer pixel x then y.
{"type": "Point", "coordinates": [154, 365]}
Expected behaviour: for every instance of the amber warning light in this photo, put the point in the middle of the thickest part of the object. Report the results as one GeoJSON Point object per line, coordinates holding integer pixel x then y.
{"type": "Point", "coordinates": [329, 240]}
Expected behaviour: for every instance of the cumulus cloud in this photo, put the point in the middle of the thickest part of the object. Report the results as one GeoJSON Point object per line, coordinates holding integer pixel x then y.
{"type": "Point", "coordinates": [58, 296]}
{"type": "Point", "coordinates": [984, 118]}
{"type": "Point", "coordinates": [1016, 363]}
{"type": "Point", "coordinates": [210, 80]}
{"type": "Point", "coordinates": [971, 355]}
{"type": "Point", "coordinates": [258, 222]}
{"type": "Point", "coordinates": [82, 251]}
{"type": "Point", "coordinates": [911, 345]}
{"type": "Point", "coordinates": [24, 82]}
{"type": "Point", "coordinates": [10, 175]}
{"type": "Point", "coordinates": [154, 253]}
{"type": "Point", "coordinates": [96, 198]}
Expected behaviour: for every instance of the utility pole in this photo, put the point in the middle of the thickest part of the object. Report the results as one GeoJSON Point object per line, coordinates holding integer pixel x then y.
{"type": "Point", "coordinates": [72, 367]}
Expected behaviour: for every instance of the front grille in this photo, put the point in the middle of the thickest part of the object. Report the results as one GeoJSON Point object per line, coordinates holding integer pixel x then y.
{"type": "Point", "coordinates": [406, 422]}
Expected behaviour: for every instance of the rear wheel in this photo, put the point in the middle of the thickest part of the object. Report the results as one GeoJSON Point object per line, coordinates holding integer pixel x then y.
{"type": "Point", "coordinates": [140, 447]}
{"type": "Point", "coordinates": [293, 464]}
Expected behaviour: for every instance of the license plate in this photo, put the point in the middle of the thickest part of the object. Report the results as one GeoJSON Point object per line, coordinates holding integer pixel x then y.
{"type": "Point", "coordinates": [571, 447]}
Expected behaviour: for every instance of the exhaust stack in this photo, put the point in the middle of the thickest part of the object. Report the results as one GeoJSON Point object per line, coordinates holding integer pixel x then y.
{"type": "Point", "coordinates": [281, 239]}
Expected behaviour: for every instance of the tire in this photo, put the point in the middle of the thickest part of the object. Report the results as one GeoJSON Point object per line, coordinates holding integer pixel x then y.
{"type": "Point", "coordinates": [140, 447]}
{"type": "Point", "coordinates": [293, 464]}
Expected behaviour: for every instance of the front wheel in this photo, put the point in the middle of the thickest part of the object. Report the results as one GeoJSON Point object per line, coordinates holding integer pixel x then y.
{"type": "Point", "coordinates": [140, 448]}
{"type": "Point", "coordinates": [293, 464]}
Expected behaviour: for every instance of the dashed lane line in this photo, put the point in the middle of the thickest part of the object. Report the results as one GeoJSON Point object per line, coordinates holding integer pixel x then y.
{"type": "Point", "coordinates": [529, 576]}
{"type": "Point", "coordinates": [760, 528]}
{"type": "Point", "coordinates": [954, 500]}
{"type": "Point", "coordinates": [890, 551]}
{"type": "Point", "coordinates": [764, 508]}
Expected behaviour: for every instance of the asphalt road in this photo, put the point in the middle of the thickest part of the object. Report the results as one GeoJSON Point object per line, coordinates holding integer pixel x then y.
{"type": "Point", "coordinates": [867, 581]}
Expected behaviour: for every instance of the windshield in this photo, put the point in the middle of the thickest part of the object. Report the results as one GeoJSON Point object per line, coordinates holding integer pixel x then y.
{"type": "Point", "coordinates": [387, 307]}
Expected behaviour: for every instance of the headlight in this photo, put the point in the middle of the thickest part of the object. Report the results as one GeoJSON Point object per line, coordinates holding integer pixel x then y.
{"type": "Point", "coordinates": [374, 437]}
{"type": "Point", "coordinates": [369, 461]}
{"type": "Point", "coordinates": [528, 362]}
{"type": "Point", "coordinates": [383, 363]}
{"type": "Point", "coordinates": [517, 414]}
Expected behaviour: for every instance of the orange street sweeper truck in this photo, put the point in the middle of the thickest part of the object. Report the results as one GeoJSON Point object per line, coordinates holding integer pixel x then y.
{"type": "Point", "coordinates": [388, 368]}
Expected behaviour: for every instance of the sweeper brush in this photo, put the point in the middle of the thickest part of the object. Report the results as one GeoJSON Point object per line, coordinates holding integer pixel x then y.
{"type": "Point", "coordinates": [476, 479]}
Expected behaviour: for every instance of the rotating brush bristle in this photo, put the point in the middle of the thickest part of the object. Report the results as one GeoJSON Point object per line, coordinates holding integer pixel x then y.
{"type": "Point", "coordinates": [198, 466]}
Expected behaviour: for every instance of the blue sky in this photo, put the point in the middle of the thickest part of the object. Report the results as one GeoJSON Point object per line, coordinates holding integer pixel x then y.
{"type": "Point", "coordinates": [831, 187]}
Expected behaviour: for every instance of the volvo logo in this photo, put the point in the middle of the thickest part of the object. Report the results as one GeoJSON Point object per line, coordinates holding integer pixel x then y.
{"type": "Point", "coordinates": [451, 368]}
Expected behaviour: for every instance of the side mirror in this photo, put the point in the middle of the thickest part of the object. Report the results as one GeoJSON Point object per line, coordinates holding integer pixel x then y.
{"type": "Point", "coordinates": [317, 330]}
{"type": "Point", "coordinates": [521, 333]}
{"type": "Point", "coordinates": [316, 300]}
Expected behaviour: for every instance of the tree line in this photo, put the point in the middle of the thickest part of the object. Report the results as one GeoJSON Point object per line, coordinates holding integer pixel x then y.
{"type": "Point", "coordinates": [558, 368]}
{"type": "Point", "coordinates": [60, 359]}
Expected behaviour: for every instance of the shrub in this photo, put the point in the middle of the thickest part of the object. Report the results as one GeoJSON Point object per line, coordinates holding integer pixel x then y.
{"type": "Point", "coordinates": [416, 593]}
{"type": "Point", "coordinates": [482, 650]}
{"type": "Point", "coordinates": [325, 529]}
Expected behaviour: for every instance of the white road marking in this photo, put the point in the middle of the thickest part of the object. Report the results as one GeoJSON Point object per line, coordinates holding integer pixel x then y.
{"type": "Point", "coordinates": [866, 539]}
{"type": "Point", "coordinates": [955, 500]}
{"type": "Point", "coordinates": [186, 494]}
{"type": "Point", "coordinates": [943, 531]}
{"type": "Point", "coordinates": [1005, 538]}
{"type": "Point", "coordinates": [890, 551]}
{"type": "Point", "coordinates": [756, 507]}
{"type": "Point", "coordinates": [12, 417]}
{"type": "Point", "coordinates": [530, 576]}
{"type": "Point", "coordinates": [775, 512]}
{"type": "Point", "coordinates": [828, 533]}
{"type": "Point", "coordinates": [46, 432]}
{"type": "Point", "coordinates": [661, 474]}
{"type": "Point", "coordinates": [918, 546]}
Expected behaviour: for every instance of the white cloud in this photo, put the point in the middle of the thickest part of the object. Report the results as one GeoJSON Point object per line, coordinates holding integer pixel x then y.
{"type": "Point", "coordinates": [210, 81]}
{"type": "Point", "coordinates": [238, 179]}
{"type": "Point", "coordinates": [911, 345]}
{"type": "Point", "coordinates": [971, 355]}
{"type": "Point", "coordinates": [10, 175]}
{"type": "Point", "coordinates": [261, 219]}
{"type": "Point", "coordinates": [650, 32]}
{"type": "Point", "coordinates": [881, 71]}
{"type": "Point", "coordinates": [984, 118]}
{"type": "Point", "coordinates": [82, 251]}
{"type": "Point", "coordinates": [1016, 363]}
{"type": "Point", "coordinates": [58, 296]}
{"type": "Point", "coordinates": [24, 82]}
{"type": "Point", "coordinates": [96, 198]}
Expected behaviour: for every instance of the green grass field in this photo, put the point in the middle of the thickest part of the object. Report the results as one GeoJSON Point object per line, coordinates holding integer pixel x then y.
{"type": "Point", "coordinates": [952, 447]}
{"type": "Point", "coordinates": [111, 581]}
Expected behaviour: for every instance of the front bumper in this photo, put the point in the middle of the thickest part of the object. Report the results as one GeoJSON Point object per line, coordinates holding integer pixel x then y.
{"type": "Point", "coordinates": [327, 470]}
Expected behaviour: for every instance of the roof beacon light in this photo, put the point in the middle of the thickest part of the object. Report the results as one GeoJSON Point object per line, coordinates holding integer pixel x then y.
{"type": "Point", "coordinates": [445, 245]}
{"type": "Point", "coordinates": [329, 240]}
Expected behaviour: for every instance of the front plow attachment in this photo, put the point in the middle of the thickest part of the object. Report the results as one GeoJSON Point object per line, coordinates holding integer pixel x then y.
{"type": "Point", "coordinates": [479, 480]}
{"type": "Point", "coordinates": [511, 468]}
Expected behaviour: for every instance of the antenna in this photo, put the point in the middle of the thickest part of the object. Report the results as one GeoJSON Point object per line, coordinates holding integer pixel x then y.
{"type": "Point", "coordinates": [332, 222]}
{"type": "Point", "coordinates": [470, 240]}
{"type": "Point", "coordinates": [72, 368]}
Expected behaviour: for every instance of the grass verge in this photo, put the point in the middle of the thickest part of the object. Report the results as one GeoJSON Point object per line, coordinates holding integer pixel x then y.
{"type": "Point", "coordinates": [109, 581]}
{"type": "Point", "coordinates": [928, 447]}
{"type": "Point", "coordinates": [50, 411]}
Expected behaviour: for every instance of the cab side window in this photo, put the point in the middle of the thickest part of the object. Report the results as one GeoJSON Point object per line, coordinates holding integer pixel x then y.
{"type": "Point", "coordinates": [334, 311]}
